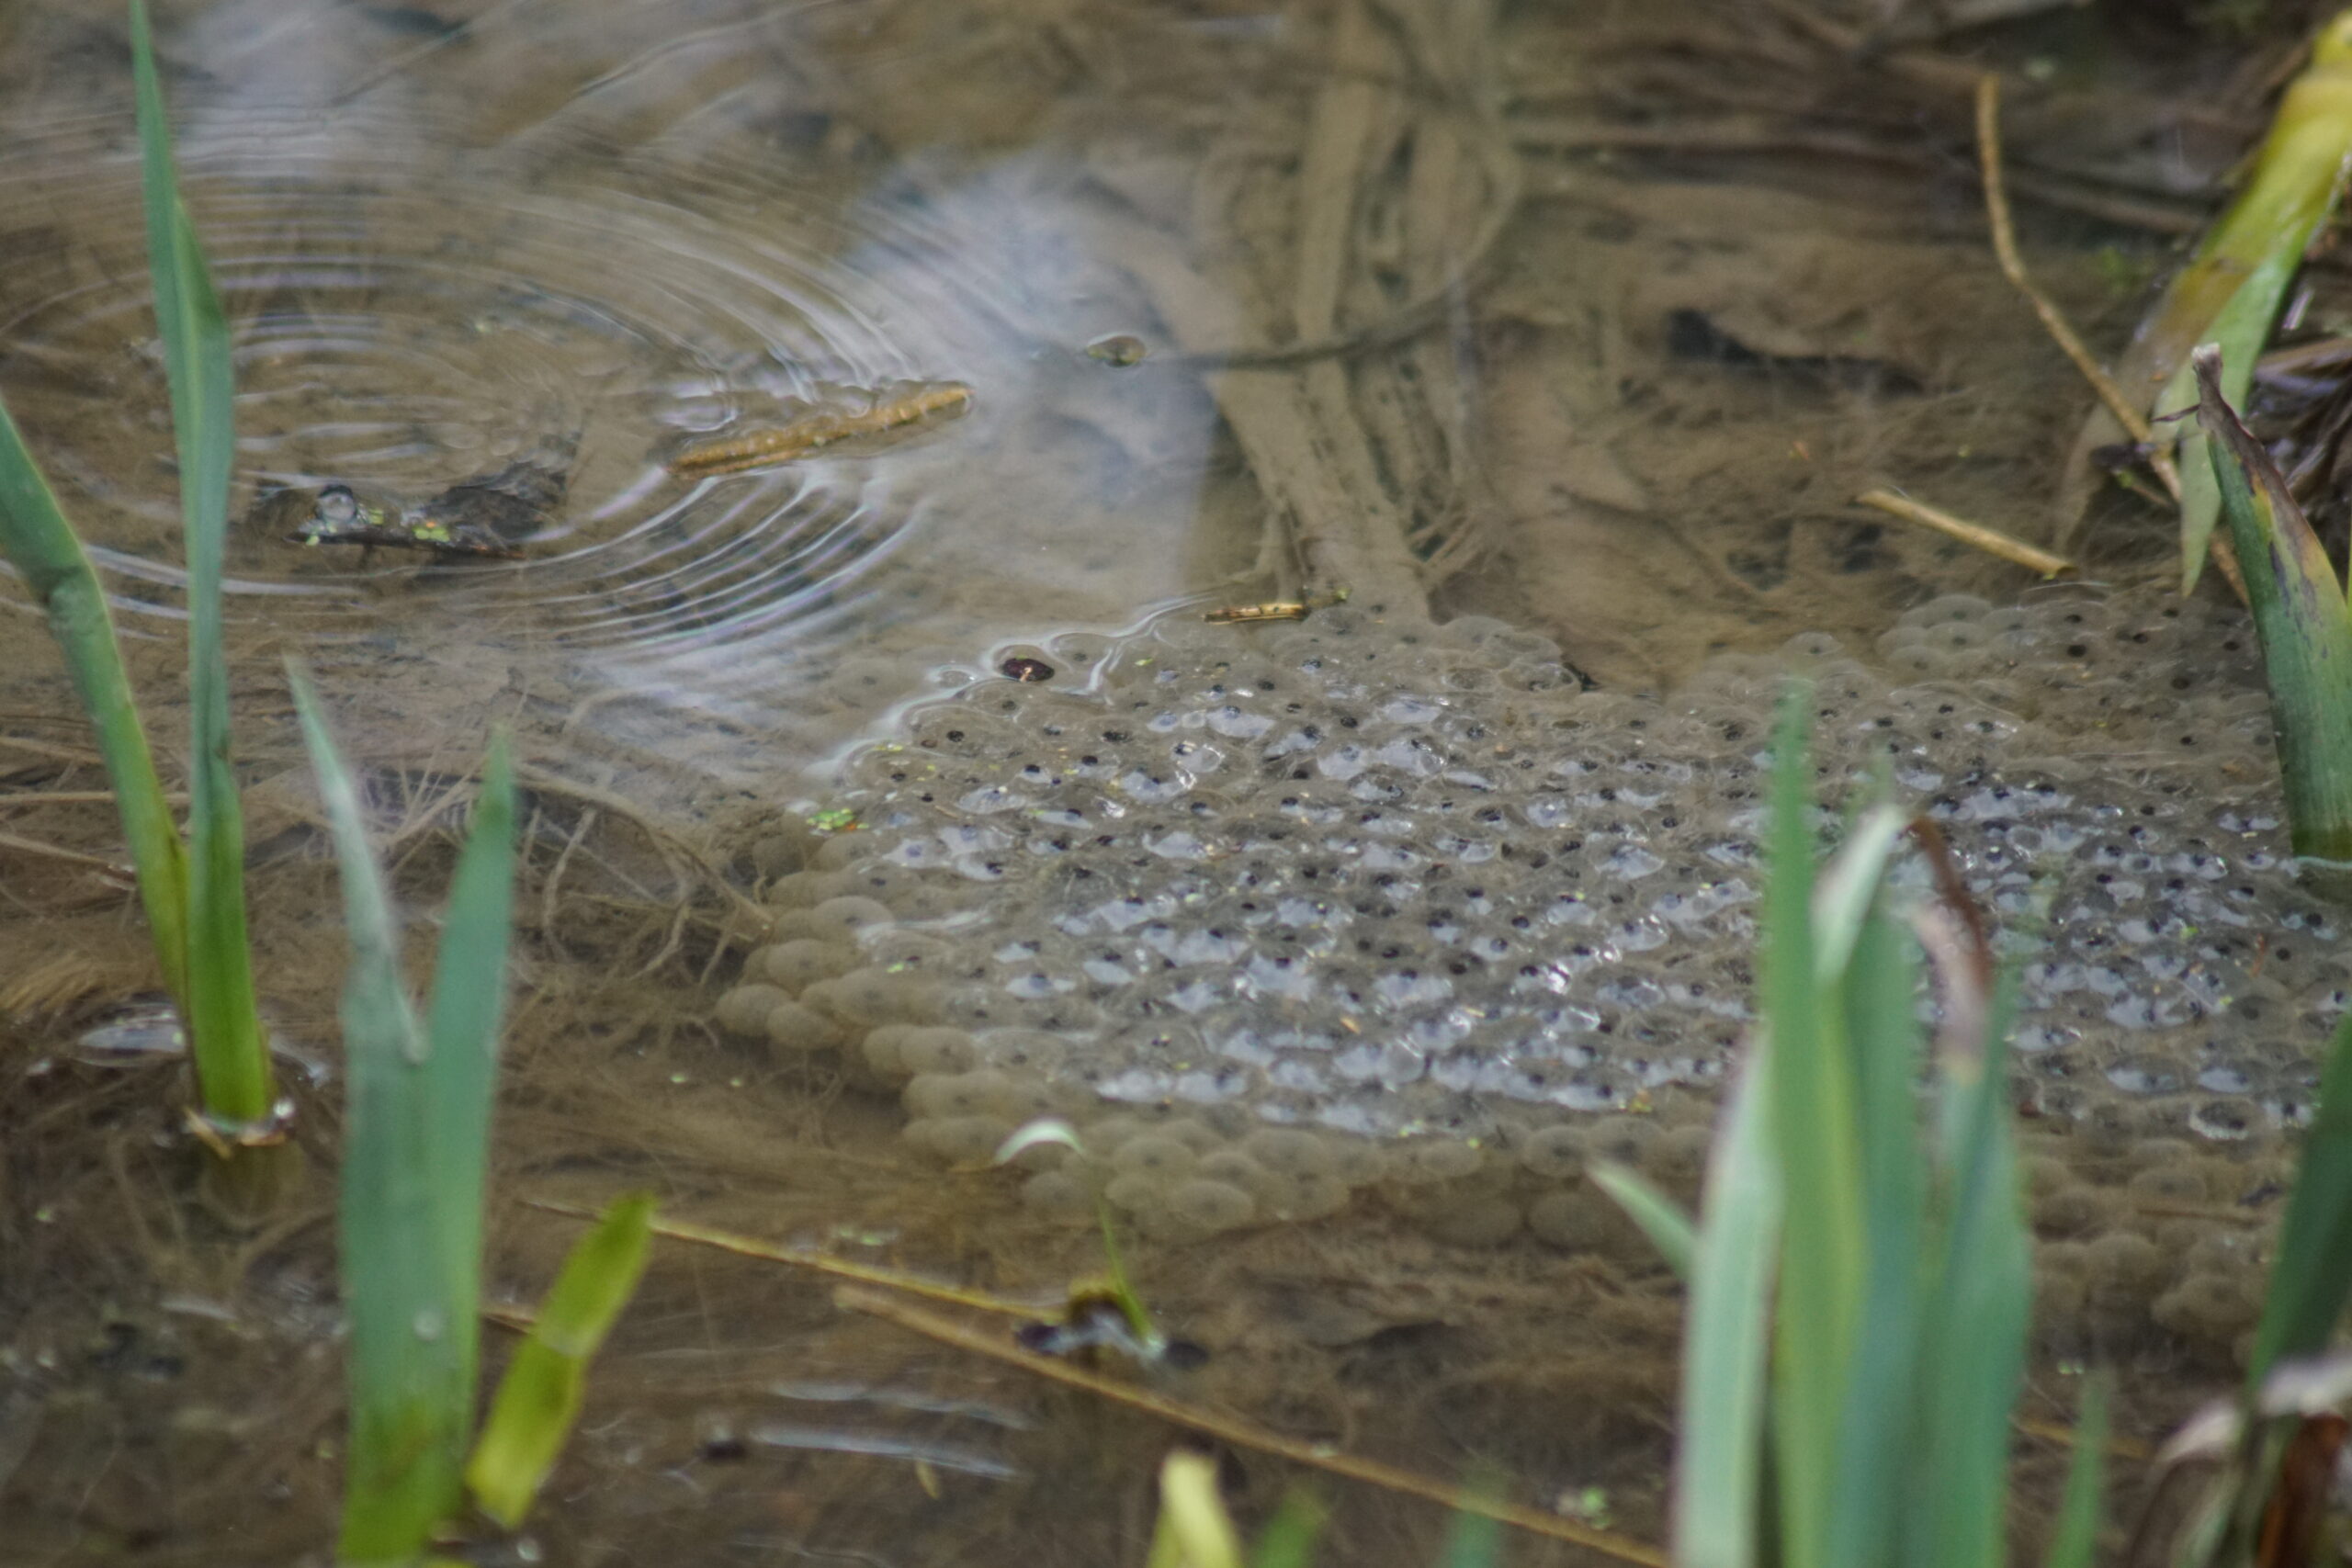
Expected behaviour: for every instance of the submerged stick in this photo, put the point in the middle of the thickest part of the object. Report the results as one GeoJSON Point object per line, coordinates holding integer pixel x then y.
{"type": "Point", "coordinates": [2053, 320]}
{"type": "Point", "coordinates": [1245, 1434]}
{"type": "Point", "coordinates": [810, 1259]}
{"type": "Point", "coordinates": [1974, 534]}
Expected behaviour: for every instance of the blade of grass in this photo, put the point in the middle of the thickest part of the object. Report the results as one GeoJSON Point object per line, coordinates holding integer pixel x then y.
{"type": "Point", "coordinates": [462, 1019]}
{"type": "Point", "coordinates": [2300, 617]}
{"type": "Point", "coordinates": [2231, 291]}
{"type": "Point", "coordinates": [1811, 1088]}
{"type": "Point", "coordinates": [224, 1023]}
{"type": "Point", "coordinates": [2313, 1274]}
{"type": "Point", "coordinates": [2075, 1544]}
{"type": "Point", "coordinates": [1726, 1334]}
{"type": "Point", "coordinates": [43, 549]}
{"type": "Point", "coordinates": [540, 1397]}
{"type": "Point", "coordinates": [1288, 1540]}
{"type": "Point", "coordinates": [1660, 1219]}
{"type": "Point", "coordinates": [1974, 1334]}
{"type": "Point", "coordinates": [1195, 1530]}
{"type": "Point", "coordinates": [1876, 990]}
{"type": "Point", "coordinates": [413, 1337]}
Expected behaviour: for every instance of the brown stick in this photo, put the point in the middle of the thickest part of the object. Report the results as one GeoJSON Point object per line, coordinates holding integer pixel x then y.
{"type": "Point", "coordinates": [1967, 533]}
{"type": "Point", "coordinates": [2053, 322]}
{"type": "Point", "coordinates": [51, 851]}
{"type": "Point", "coordinates": [816, 1262]}
{"type": "Point", "coordinates": [1244, 1434]}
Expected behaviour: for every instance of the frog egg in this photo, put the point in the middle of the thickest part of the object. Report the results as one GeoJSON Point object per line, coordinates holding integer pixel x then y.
{"type": "Point", "coordinates": [959, 1140]}
{"type": "Point", "coordinates": [894, 947]}
{"type": "Point", "coordinates": [1485, 1219]}
{"type": "Point", "coordinates": [1202, 1204]}
{"type": "Point", "coordinates": [744, 1011]}
{"type": "Point", "coordinates": [1554, 1153]}
{"type": "Point", "coordinates": [977, 1093]}
{"type": "Point", "coordinates": [872, 996]}
{"type": "Point", "coordinates": [1137, 1193]}
{"type": "Point", "coordinates": [2124, 1265]}
{"type": "Point", "coordinates": [782, 849]}
{"type": "Point", "coordinates": [1233, 1168]}
{"type": "Point", "coordinates": [1304, 1195]}
{"type": "Point", "coordinates": [1359, 1162]}
{"type": "Point", "coordinates": [1155, 1155]}
{"type": "Point", "coordinates": [1624, 1139]}
{"type": "Point", "coordinates": [2061, 1282]}
{"type": "Point", "coordinates": [838, 853]}
{"type": "Point", "coordinates": [2071, 1209]}
{"type": "Point", "coordinates": [1677, 1157]}
{"type": "Point", "coordinates": [2183, 1184]}
{"type": "Point", "coordinates": [882, 1050]}
{"type": "Point", "coordinates": [853, 915]}
{"type": "Point", "coordinates": [1060, 1193]}
{"type": "Point", "coordinates": [936, 1049]}
{"type": "Point", "coordinates": [1287, 1151]}
{"type": "Point", "coordinates": [1030, 1050]}
{"type": "Point", "coordinates": [2211, 1307]}
{"type": "Point", "coordinates": [801, 962]}
{"type": "Point", "coordinates": [803, 890]}
{"type": "Point", "coordinates": [1432, 1161]}
{"type": "Point", "coordinates": [792, 1027]}
{"type": "Point", "coordinates": [1579, 1219]}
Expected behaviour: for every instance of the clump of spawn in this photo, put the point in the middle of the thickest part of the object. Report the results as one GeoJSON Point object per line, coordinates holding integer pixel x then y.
{"type": "Point", "coordinates": [1280, 913]}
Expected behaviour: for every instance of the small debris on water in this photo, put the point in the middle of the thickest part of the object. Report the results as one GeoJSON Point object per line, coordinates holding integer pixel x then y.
{"type": "Point", "coordinates": [1026, 669]}
{"type": "Point", "coordinates": [1119, 350]}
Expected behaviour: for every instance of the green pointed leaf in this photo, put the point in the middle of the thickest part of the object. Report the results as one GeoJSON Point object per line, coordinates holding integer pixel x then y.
{"type": "Point", "coordinates": [539, 1398]}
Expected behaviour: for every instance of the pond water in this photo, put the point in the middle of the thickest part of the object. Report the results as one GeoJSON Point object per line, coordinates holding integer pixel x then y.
{"type": "Point", "coordinates": [1573, 329]}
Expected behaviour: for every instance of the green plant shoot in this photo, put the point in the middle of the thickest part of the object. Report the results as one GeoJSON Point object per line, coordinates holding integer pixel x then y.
{"type": "Point", "coordinates": [2300, 616]}
{"type": "Point", "coordinates": [417, 1136]}
{"type": "Point", "coordinates": [540, 1395]}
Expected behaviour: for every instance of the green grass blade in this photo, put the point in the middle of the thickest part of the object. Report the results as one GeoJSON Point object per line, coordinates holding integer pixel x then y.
{"type": "Point", "coordinates": [1660, 1219]}
{"type": "Point", "coordinates": [1726, 1336]}
{"type": "Point", "coordinates": [412, 1339]}
{"type": "Point", "coordinates": [1288, 1541]}
{"type": "Point", "coordinates": [1195, 1530]}
{"type": "Point", "coordinates": [2075, 1544]}
{"type": "Point", "coordinates": [1812, 1092]}
{"type": "Point", "coordinates": [1877, 991]}
{"type": "Point", "coordinates": [2313, 1274]}
{"type": "Point", "coordinates": [1973, 1338]}
{"type": "Point", "coordinates": [2231, 290]}
{"type": "Point", "coordinates": [223, 1024]}
{"type": "Point", "coordinates": [43, 549]}
{"type": "Point", "coordinates": [462, 1019]}
{"type": "Point", "coordinates": [1472, 1540]}
{"type": "Point", "coordinates": [2300, 617]}
{"type": "Point", "coordinates": [539, 1398]}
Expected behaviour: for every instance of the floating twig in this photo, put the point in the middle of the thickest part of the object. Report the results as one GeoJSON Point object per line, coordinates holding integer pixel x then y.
{"type": "Point", "coordinates": [1986, 539]}
{"type": "Point", "coordinates": [817, 429]}
{"type": "Point", "coordinates": [1247, 1435]}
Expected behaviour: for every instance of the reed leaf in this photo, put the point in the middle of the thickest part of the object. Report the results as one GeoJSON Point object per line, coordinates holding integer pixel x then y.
{"type": "Point", "coordinates": [413, 1338]}
{"type": "Point", "coordinates": [539, 1398]}
{"type": "Point", "coordinates": [2312, 1278]}
{"type": "Point", "coordinates": [217, 1003]}
{"type": "Point", "coordinates": [2231, 292]}
{"type": "Point", "coordinates": [1726, 1334]}
{"type": "Point", "coordinates": [42, 546]}
{"type": "Point", "coordinates": [1195, 1530]}
{"type": "Point", "coordinates": [1288, 1541]}
{"type": "Point", "coordinates": [1811, 1088]}
{"type": "Point", "coordinates": [2302, 619]}
{"type": "Point", "coordinates": [2075, 1544]}
{"type": "Point", "coordinates": [1660, 1219]}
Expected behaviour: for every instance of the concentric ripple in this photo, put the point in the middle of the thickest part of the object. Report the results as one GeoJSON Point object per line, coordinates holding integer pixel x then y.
{"type": "Point", "coordinates": [408, 318]}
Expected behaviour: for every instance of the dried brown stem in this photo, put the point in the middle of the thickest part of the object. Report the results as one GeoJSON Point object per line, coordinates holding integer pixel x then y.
{"type": "Point", "coordinates": [1992, 542]}
{"type": "Point", "coordinates": [1245, 1434]}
